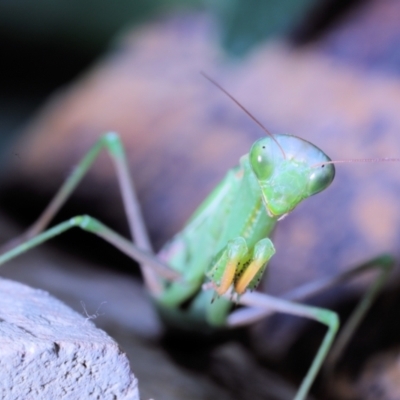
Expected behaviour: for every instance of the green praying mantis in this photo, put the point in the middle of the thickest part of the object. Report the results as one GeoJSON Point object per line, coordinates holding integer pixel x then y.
{"type": "Point", "coordinates": [216, 261]}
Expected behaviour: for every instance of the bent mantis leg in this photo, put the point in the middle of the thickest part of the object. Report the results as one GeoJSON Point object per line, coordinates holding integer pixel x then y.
{"type": "Point", "coordinates": [261, 305]}
{"type": "Point", "coordinates": [90, 224]}
{"type": "Point", "coordinates": [112, 143]}
{"type": "Point", "coordinates": [384, 264]}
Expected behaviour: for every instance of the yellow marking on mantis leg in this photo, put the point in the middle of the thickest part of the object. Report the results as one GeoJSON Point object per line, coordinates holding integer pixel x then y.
{"type": "Point", "coordinates": [227, 278]}
{"type": "Point", "coordinates": [248, 275]}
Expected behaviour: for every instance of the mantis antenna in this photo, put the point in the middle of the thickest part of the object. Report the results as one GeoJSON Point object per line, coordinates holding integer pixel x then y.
{"type": "Point", "coordinates": [246, 111]}
{"type": "Point", "coordinates": [356, 160]}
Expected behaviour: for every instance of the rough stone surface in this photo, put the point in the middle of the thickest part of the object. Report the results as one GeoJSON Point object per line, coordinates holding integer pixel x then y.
{"type": "Point", "coordinates": [48, 351]}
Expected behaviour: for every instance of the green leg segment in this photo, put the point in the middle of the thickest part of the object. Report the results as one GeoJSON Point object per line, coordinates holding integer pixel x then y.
{"type": "Point", "coordinates": [384, 264]}
{"type": "Point", "coordinates": [324, 316]}
{"type": "Point", "coordinates": [92, 225]}
{"type": "Point", "coordinates": [112, 143]}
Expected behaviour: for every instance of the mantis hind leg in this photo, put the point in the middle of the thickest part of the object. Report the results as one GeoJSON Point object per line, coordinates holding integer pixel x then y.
{"type": "Point", "coordinates": [112, 143]}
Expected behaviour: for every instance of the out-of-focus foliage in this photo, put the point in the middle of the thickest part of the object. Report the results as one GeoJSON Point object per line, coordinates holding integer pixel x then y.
{"type": "Point", "coordinates": [245, 23]}
{"type": "Point", "coordinates": [83, 23]}
{"type": "Point", "coordinates": [91, 23]}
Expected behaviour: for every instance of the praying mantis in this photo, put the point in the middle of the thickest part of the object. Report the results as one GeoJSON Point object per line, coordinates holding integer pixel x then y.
{"type": "Point", "coordinates": [217, 260]}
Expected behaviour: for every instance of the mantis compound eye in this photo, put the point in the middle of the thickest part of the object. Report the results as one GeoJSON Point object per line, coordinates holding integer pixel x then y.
{"type": "Point", "coordinates": [262, 158]}
{"type": "Point", "coordinates": [320, 178]}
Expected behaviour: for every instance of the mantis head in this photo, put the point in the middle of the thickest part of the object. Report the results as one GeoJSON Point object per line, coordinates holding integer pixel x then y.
{"type": "Point", "coordinates": [286, 178]}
